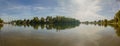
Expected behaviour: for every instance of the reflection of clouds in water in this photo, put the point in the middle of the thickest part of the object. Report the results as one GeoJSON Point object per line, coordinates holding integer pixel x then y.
{"type": "Point", "coordinates": [84, 35]}
{"type": "Point", "coordinates": [78, 36]}
{"type": "Point", "coordinates": [118, 0]}
{"type": "Point", "coordinates": [88, 35]}
{"type": "Point", "coordinates": [109, 37]}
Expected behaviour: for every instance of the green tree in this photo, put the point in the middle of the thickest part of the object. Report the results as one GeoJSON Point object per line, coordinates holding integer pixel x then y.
{"type": "Point", "coordinates": [49, 19]}
{"type": "Point", "coordinates": [117, 17]}
{"type": "Point", "coordinates": [105, 21]}
{"type": "Point", "coordinates": [1, 21]}
{"type": "Point", "coordinates": [28, 21]}
{"type": "Point", "coordinates": [42, 20]}
{"type": "Point", "coordinates": [35, 20]}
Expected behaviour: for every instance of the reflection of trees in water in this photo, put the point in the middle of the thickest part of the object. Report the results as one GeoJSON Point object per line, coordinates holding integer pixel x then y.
{"type": "Point", "coordinates": [1, 25]}
{"type": "Point", "coordinates": [65, 26]}
{"type": "Point", "coordinates": [50, 26]}
{"type": "Point", "coordinates": [105, 25]}
{"type": "Point", "coordinates": [117, 28]}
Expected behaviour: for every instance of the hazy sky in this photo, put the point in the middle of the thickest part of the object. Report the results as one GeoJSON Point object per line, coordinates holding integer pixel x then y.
{"type": "Point", "coordinates": [84, 10]}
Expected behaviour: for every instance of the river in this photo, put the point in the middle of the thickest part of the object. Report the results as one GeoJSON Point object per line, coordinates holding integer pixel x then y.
{"type": "Point", "coordinates": [46, 35]}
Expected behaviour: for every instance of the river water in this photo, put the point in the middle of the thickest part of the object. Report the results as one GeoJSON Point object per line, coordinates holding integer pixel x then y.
{"type": "Point", "coordinates": [81, 35]}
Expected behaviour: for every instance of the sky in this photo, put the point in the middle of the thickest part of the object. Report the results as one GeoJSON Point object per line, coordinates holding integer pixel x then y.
{"type": "Point", "coordinates": [83, 10]}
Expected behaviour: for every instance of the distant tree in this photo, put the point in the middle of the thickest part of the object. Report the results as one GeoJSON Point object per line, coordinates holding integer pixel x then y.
{"type": "Point", "coordinates": [19, 22]}
{"type": "Point", "coordinates": [35, 20]}
{"type": "Point", "coordinates": [49, 19]}
{"type": "Point", "coordinates": [28, 21]}
{"type": "Point", "coordinates": [99, 21]}
{"type": "Point", "coordinates": [24, 21]}
{"type": "Point", "coordinates": [1, 21]}
{"type": "Point", "coordinates": [95, 21]}
{"type": "Point", "coordinates": [105, 21]}
{"type": "Point", "coordinates": [42, 20]}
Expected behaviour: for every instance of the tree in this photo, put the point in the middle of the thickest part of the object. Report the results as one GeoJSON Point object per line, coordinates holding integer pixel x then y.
{"type": "Point", "coordinates": [35, 20]}
{"type": "Point", "coordinates": [28, 21]}
{"type": "Point", "coordinates": [42, 20]}
{"type": "Point", "coordinates": [115, 19]}
{"type": "Point", "coordinates": [24, 21]}
{"type": "Point", "coordinates": [19, 22]}
{"type": "Point", "coordinates": [117, 16]}
{"type": "Point", "coordinates": [1, 21]}
{"type": "Point", "coordinates": [49, 19]}
{"type": "Point", "coordinates": [105, 21]}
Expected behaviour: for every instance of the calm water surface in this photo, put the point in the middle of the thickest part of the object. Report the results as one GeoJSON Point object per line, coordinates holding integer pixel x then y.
{"type": "Point", "coordinates": [82, 35]}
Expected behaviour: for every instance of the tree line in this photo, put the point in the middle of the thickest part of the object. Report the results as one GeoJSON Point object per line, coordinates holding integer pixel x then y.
{"type": "Point", "coordinates": [115, 20]}
{"type": "Point", "coordinates": [48, 20]}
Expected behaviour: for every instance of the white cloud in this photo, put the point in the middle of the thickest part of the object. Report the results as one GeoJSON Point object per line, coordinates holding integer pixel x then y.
{"type": "Point", "coordinates": [19, 7]}
{"type": "Point", "coordinates": [109, 8]}
{"type": "Point", "coordinates": [8, 18]}
{"type": "Point", "coordinates": [82, 9]}
{"type": "Point", "coordinates": [40, 8]}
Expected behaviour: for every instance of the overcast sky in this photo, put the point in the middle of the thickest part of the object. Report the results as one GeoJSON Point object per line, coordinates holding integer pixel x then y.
{"type": "Point", "coordinates": [84, 10]}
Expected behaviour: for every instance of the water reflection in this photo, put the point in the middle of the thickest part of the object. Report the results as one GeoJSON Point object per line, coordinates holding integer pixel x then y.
{"type": "Point", "coordinates": [50, 26]}
{"type": "Point", "coordinates": [117, 29]}
{"type": "Point", "coordinates": [1, 25]}
{"type": "Point", "coordinates": [83, 35]}
{"type": "Point", "coordinates": [115, 26]}
{"type": "Point", "coordinates": [64, 26]}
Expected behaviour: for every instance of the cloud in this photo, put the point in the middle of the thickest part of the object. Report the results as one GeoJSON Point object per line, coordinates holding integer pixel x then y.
{"type": "Point", "coordinates": [40, 8]}
{"type": "Point", "coordinates": [109, 8]}
{"type": "Point", "coordinates": [7, 17]}
{"type": "Point", "coordinates": [84, 10]}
